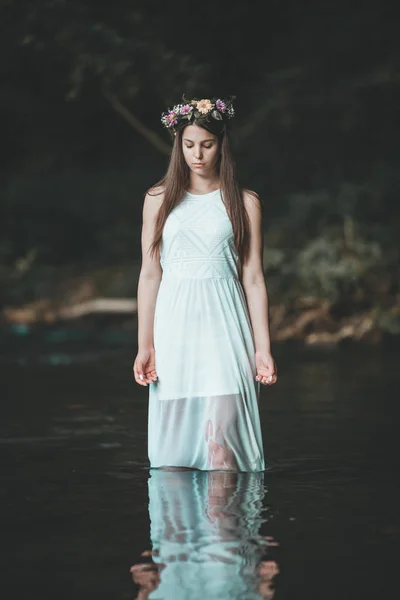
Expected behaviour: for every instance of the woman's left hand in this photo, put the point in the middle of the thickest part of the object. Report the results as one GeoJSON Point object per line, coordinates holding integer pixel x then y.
{"type": "Point", "coordinates": [267, 372]}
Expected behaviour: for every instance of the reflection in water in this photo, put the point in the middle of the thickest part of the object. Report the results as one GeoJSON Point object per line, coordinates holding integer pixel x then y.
{"type": "Point", "coordinates": [204, 529]}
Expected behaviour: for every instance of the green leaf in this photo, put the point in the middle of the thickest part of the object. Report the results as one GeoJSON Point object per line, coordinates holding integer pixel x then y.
{"type": "Point", "coordinates": [217, 115]}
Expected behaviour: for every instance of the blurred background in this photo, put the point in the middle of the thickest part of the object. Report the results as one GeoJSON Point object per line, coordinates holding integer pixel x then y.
{"type": "Point", "coordinates": [83, 84]}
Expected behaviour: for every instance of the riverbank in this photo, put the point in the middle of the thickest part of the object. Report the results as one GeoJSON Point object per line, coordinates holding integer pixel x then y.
{"type": "Point", "coordinates": [93, 296]}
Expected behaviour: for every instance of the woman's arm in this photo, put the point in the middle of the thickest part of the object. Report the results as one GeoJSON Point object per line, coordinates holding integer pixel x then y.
{"type": "Point", "coordinates": [253, 281]}
{"type": "Point", "coordinates": [150, 275]}
{"type": "Point", "coordinates": [144, 366]}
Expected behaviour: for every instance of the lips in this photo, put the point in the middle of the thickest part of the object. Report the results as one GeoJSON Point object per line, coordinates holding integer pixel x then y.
{"type": "Point", "coordinates": [198, 164]}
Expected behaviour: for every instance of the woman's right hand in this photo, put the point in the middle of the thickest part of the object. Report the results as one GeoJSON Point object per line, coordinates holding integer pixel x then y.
{"type": "Point", "coordinates": [144, 367]}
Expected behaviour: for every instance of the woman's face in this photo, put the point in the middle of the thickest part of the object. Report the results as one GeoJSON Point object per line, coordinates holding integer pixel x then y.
{"type": "Point", "coordinates": [200, 149]}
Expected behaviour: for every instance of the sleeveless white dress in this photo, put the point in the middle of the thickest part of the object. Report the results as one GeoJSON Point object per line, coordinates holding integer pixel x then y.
{"type": "Point", "coordinates": [203, 409]}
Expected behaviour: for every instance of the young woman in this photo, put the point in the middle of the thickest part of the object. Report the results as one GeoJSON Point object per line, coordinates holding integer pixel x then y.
{"type": "Point", "coordinates": [203, 339]}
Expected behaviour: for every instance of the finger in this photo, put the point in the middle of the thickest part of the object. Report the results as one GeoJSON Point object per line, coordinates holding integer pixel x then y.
{"type": "Point", "coordinates": [264, 371]}
{"type": "Point", "coordinates": [148, 379]}
{"type": "Point", "coordinates": [145, 378]}
{"type": "Point", "coordinates": [272, 379]}
{"type": "Point", "coordinates": [264, 375]}
{"type": "Point", "coordinates": [261, 374]}
{"type": "Point", "coordinates": [138, 372]}
{"type": "Point", "coordinates": [149, 553]}
{"type": "Point", "coordinates": [268, 380]}
{"type": "Point", "coordinates": [150, 376]}
{"type": "Point", "coordinates": [136, 568]}
{"type": "Point", "coordinates": [139, 377]}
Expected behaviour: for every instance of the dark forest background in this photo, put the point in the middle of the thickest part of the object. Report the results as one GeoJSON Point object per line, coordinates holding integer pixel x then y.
{"type": "Point", "coordinates": [82, 87]}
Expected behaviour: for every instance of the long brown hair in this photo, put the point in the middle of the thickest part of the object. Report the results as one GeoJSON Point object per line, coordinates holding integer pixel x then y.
{"type": "Point", "coordinates": [176, 180]}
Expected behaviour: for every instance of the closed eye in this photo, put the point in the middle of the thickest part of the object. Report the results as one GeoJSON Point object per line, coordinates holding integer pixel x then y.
{"type": "Point", "coordinates": [204, 146]}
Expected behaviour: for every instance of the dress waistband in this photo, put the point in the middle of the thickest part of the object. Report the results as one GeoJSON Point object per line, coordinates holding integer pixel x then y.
{"type": "Point", "coordinates": [175, 277]}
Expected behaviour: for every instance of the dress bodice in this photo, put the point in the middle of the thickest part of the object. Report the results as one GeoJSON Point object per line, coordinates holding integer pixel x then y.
{"type": "Point", "coordinates": [198, 241]}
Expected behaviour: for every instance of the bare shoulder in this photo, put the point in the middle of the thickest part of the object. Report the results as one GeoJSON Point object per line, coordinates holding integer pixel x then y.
{"type": "Point", "coordinates": [153, 199]}
{"type": "Point", "coordinates": [155, 190]}
{"type": "Point", "coordinates": [252, 201]}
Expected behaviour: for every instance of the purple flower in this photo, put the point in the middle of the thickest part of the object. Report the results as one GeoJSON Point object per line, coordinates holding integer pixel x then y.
{"type": "Point", "coordinates": [220, 105]}
{"type": "Point", "coordinates": [186, 109]}
{"type": "Point", "coordinates": [171, 118]}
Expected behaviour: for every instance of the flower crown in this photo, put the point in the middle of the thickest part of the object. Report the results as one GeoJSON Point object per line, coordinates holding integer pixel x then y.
{"type": "Point", "coordinates": [184, 114]}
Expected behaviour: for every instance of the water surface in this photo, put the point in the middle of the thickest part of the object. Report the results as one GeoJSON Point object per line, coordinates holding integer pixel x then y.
{"type": "Point", "coordinates": [83, 516]}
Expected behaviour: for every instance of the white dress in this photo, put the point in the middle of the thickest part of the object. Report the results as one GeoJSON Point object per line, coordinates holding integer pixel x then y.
{"type": "Point", "coordinates": [203, 409]}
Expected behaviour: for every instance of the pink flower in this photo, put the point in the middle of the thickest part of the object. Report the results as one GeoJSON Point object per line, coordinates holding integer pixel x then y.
{"type": "Point", "coordinates": [186, 109]}
{"type": "Point", "coordinates": [220, 105]}
{"type": "Point", "coordinates": [171, 118]}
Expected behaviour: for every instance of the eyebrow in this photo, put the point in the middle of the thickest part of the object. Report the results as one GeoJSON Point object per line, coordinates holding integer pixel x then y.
{"type": "Point", "coordinates": [188, 140]}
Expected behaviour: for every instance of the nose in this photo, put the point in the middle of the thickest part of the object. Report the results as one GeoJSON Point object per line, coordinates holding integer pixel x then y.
{"type": "Point", "coordinates": [198, 152]}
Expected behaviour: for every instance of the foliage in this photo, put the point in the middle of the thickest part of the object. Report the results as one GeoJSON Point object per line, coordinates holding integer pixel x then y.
{"type": "Point", "coordinates": [315, 132]}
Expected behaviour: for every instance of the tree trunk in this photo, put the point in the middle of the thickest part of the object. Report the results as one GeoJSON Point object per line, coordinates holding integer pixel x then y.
{"type": "Point", "coordinates": [147, 133]}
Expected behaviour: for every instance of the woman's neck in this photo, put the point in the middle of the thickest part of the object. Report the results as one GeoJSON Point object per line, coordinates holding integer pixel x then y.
{"type": "Point", "coordinates": [198, 185]}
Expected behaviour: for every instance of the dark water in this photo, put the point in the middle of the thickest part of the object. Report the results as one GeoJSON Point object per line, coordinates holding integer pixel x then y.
{"type": "Point", "coordinates": [79, 506]}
